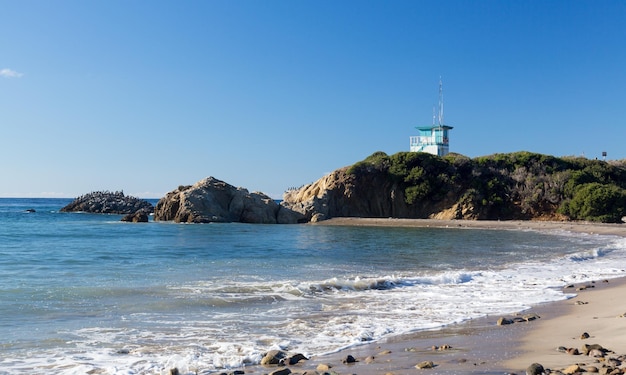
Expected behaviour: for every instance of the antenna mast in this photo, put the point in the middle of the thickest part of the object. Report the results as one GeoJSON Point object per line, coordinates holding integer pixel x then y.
{"type": "Point", "coordinates": [440, 102]}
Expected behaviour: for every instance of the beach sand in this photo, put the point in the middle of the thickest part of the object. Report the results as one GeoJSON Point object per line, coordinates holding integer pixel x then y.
{"type": "Point", "coordinates": [481, 346]}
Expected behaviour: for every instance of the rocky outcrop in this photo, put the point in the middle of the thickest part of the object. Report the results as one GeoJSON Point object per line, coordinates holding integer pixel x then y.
{"type": "Point", "coordinates": [371, 194]}
{"type": "Point", "coordinates": [515, 186]}
{"type": "Point", "coordinates": [212, 200]}
{"type": "Point", "coordinates": [105, 202]}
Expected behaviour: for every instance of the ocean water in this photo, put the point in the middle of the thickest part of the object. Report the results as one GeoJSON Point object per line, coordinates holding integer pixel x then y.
{"type": "Point", "coordinates": [87, 293]}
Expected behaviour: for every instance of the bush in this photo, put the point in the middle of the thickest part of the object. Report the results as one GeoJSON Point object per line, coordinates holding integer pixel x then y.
{"type": "Point", "coordinates": [597, 202]}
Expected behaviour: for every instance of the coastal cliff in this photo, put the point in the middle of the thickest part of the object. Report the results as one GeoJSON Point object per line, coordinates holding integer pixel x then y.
{"type": "Point", "coordinates": [520, 185]}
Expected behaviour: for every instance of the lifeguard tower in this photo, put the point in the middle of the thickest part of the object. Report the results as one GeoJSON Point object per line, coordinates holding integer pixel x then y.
{"type": "Point", "coordinates": [433, 139]}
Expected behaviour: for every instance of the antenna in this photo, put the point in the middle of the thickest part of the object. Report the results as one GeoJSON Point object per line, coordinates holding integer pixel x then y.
{"type": "Point", "coordinates": [440, 102]}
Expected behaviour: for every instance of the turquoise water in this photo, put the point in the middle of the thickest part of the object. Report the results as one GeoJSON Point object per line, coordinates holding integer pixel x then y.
{"type": "Point", "coordinates": [82, 292]}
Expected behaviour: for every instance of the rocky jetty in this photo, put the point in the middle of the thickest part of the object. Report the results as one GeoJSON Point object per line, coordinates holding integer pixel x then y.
{"type": "Point", "coordinates": [211, 200]}
{"type": "Point", "coordinates": [106, 202]}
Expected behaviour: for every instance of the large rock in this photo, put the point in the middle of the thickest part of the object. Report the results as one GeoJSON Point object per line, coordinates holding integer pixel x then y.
{"type": "Point", "coordinates": [212, 200]}
{"type": "Point", "coordinates": [105, 202]}
{"type": "Point", "coordinates": [371, 194]}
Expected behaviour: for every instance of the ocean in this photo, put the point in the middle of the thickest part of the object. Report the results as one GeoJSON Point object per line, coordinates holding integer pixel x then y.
{"type": "Point", "coordinates": [85, 293]}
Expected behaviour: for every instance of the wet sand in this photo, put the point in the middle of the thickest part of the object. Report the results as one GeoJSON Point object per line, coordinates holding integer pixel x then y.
{"type": "Point", "coordinates": [481, 346]}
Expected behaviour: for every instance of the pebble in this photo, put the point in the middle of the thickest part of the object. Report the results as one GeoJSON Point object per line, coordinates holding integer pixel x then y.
{"type": "Point", "coordinates": [425, 364]}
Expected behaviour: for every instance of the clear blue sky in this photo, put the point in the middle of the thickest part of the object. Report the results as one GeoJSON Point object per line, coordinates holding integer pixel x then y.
{"type": "Point", "coordinates": [146, 95]}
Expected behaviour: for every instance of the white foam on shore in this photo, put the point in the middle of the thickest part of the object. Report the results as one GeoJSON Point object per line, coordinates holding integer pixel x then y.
{"type": "Point", "coordinates": [312, 317]}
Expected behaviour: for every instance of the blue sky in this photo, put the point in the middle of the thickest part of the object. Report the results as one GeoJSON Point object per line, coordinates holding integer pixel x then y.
{"type": "Point", "coordinates": [143, 96]}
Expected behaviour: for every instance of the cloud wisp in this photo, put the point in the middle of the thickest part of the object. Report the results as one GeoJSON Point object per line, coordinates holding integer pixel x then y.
{"type": "Point", "coordinates": [9, 73]}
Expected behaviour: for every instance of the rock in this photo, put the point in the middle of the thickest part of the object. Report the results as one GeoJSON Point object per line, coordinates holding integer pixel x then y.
{"type": "Point", "coordinates": [105, 202]}
{"type": "Point", "coordinates": [370, 359]}
{"type": "Point", "coordinates": [572, 351]}
{"type": "Point", "coordinates": [535, 369]}
{"type": "Point", "coordinates": [584, 336]}
{"type": "Point", "coordinates": [349, 359]}
{"type": "Point", "coordinates": [571, 369]}
{"type": "Point", "coordinates": [281, 371]}
{"type": "Point", "coordinates": [296, 358]}
{"type": "Point", "coordinates": [323, 367]}
{"type": "Point", "coordinates": [273, 357]}
{"type": "Point", "coordinates": [591, 369]}
{"type": "Point", "coordinates": [385, 352]}
{"type": "Point", "coordinates": [530, 317]}
{"type": "Point", "coordinates": [137, 217]}
{"type": "Point", "coordinates": [586, 348]}
{"type": "Point", "coordinates": [425, 364]}
{"type": "Point", "coordinates": [504, 321]}
{"type": "Point", "coordinates": [596, 353]}
{"type": "Point", "coordinates": [31, 210]}
{"type": "Point", "coordinates": [211, 200]}
{"type": "Point", "coordinates": [174, 371]}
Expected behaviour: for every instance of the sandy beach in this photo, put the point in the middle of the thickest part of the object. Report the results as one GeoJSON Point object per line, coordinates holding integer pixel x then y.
{"type": "Point", "coordinates": [553, 334]}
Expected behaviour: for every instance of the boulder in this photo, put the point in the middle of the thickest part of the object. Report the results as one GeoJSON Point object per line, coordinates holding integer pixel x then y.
{"type": "Point", "coordinates": [137, 217]}
{"type": "Point", "coordinates": [211, 200]}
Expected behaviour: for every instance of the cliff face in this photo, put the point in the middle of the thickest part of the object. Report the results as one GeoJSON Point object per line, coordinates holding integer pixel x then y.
{"type": "Point", "coordinates": [212, 200]}
{"type": "Point", "coordinates": [369, 194]}
{"type": "Point", "coordinates": [520, 185]}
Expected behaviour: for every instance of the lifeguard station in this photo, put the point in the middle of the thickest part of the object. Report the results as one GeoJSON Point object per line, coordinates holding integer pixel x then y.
{"type": "Point", "coordinates": [433, 139]}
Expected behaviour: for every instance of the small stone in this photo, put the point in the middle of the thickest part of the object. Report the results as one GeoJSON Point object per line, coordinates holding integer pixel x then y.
{"type": "Point", "coordinates": [281, 371]}
{"type": "Point", "coordinates": [587, 348]}
{"type": "Point", "coordinates": [174, 371]}
{"type": "Point", "coordinates": [369, 360]}
{"type": "Point", "coordinates": [445, 347]}
{"type": "Point", "coordinates": [573, 351]}
{"type": "Point", "coordinates": [272, 357]}
{"type": "Point", "coordinates": [596, 353]}
{"type": "Point", "coordinates": [584, 336]}
{"type": "Point", "coordinates": [572, 369]}
{"type": "Point", "coordinates": [504, 321]}
{"type": "Point", "coordinates": [581, 303]}
{"type": "Point", "coordinates": [530, 317]}
{"type": "Point", "coordinates": [425, 364]}
{"type": "Point", "coordinates": [296, 358]}
{"type": "Point", "coordinates": [590, 369]}
{"type": "Point", "coordinates": [323, 367]}
{"type": "Point", "coordinates": [385, 352]}
{"type": "Point", "coordinates": [535, 369]}
{"type": "Point", "coordinates": [349, 359]}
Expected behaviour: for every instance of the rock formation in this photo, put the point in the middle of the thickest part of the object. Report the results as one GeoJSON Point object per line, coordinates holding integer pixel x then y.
{"type": "Point", "coordinates": [105, 202]}
{"type": "Point", "coordinates": [212, 200]}
{"type": "Point", "coordinates": [521, 185]}
{"type": "Point", "coordinates": [372, 194]}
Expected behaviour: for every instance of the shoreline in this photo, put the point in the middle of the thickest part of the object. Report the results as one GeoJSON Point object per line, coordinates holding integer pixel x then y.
{"type": "Point", "coordinates": [481, 346]}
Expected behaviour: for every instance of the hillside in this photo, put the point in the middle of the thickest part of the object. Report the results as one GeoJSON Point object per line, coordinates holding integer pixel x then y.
{"type": "Point", "coordinates": [520, 185]}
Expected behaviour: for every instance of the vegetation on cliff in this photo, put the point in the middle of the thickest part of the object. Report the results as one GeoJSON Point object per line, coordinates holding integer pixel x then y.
{"type": "Point", "coordinates": [520, 185]}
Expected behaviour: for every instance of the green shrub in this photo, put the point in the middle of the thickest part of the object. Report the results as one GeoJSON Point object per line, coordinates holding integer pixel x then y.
{"type": "Point", "coordinates": [597, 202]}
